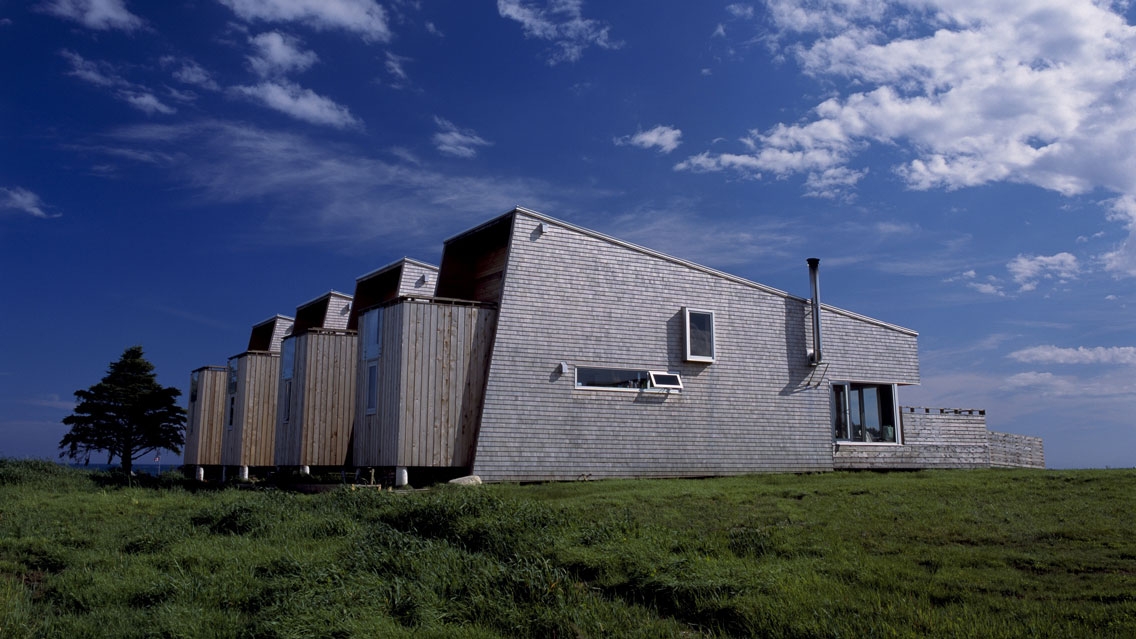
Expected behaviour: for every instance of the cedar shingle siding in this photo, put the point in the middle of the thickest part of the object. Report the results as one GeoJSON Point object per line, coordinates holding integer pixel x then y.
{"type": "Point", "coordinates": [587, 301]}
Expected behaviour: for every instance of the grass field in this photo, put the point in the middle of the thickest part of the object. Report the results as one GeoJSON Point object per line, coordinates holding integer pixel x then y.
{"type": "Point", "coordinates": [947, 553]}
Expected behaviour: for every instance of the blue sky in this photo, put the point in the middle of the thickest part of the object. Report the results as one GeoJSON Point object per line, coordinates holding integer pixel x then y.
{"type": "Point", "coordinates": [173, 172]}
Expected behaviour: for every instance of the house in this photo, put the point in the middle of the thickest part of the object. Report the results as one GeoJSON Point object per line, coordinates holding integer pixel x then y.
{"type": "Point", "coordinates": [606, 359]}
{"type": "Point", "coordinates": [205, 418]}
{"type": "Point", "coordinates": [540, 350]}
{"type": "Point", "coordinates": [316, 393]}
{"type": "Point", "coordinates": [421, 369]}
{"type": "Point", "coordinates": [253, 383]}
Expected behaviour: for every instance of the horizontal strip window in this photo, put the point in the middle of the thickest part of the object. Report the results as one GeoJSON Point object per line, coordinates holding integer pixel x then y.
{"type": "Point", "coordinates": [626, 379]}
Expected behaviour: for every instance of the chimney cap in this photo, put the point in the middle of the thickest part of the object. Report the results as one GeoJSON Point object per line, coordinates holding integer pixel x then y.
{"type": "Point", "coordinates": [813, 261]}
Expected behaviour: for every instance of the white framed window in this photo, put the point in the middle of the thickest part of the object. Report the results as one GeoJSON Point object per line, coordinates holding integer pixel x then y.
{"type": "Point", "coordinates": [698, 327]}
{"type": "Point", "coordinates": [625, 379]}
{"type": "Point", "coordinates": [372, 387]}
{"type": "Point", "coordinates": [866, 413]}
{"type": "Point", "coordinates": [662, 379]}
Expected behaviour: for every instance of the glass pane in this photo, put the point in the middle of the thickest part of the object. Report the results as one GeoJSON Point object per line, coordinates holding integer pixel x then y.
{"type": "Point", "coordinates": [855, 416]}
{"type": "Point", "coordinates": [871, 404]}
{"type": "Point", "coordinates": [611, 378]}
{"type": "Point", "coordinates": [287, 358]}
{"type": "Point", "coordinates": [232, 377]}
{"type": "Point", "coordinates": [701, 331]}
{"type": "Point", "coordinates": [840, 411]}
{"type": "Point", "coordinates": [888, 428]}
{"type": "Point", "coordinates": [372, 386]}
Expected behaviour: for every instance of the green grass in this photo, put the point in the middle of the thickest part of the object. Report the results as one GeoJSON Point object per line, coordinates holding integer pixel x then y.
{"type": "Point", "coordinates": [949, 553]}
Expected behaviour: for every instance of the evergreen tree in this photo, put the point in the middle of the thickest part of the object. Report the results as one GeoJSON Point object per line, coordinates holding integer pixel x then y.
{"type": "Point", "coordinates": [127, 415]}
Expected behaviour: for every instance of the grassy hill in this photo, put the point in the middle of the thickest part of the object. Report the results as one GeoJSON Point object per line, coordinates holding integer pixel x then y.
{"type": "Point", "coordinates": [948, 553]}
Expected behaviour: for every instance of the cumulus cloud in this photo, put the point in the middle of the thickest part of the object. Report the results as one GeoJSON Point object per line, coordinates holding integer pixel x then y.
{"type": "Point", "coordinates": [972, 92]}
{"type": "Point", "coordinates": [101, 15]}
{"type": "Point", "coordinates": [362, 17]}
{"type": "Point", "coordinates": [663, 138]}
{"type": "Point", "coordinates": [1027, 270]}
{"type": "Point", "coordinates": [562, 22]}
{"type": "Point", "coordinates": [457, 142]}
{"type": "Point", "coordinates": [278, 54]}
{"type": "Point", "coordinates": [300, 103]}
{"type": "Point", "coordinates": [104, 75]}
{"type": "Point", "coordinates": [20, 199]}
{"type": "Point", "coordinates": [1079, 355]}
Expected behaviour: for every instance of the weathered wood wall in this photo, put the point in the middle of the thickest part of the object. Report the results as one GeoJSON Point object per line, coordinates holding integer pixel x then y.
{"type": "Point", "coordinates": [1008, 450]}
{"type": "Point", "coordinates": [430, 379]}
{"type": "Point", "coordinates": [322, 402]}
{"type": "Point", "coordinates": [575, 296]}
{"type": "Point", "coordinates": [250, 440]}
{"type": "Point", "coordinates": [932, 438]}
{"type": "Point", "coordinates": [205, 417]}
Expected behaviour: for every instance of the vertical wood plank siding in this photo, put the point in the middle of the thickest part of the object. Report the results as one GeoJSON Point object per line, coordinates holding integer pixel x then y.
{"type": "Point", "coordinates": [579, 298]}
{"type": "Point", "coordinates": [205, 423]}
{"type": "Point", "coordinates": [251, 439]}
{"type": "Point", "coordinates": [322, 408]}
{"type": "Point", "coordinates": [430, 373]}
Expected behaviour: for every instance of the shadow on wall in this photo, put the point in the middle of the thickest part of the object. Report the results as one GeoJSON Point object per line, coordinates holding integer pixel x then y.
{"type": "Point", "coordinates": [796, 360]}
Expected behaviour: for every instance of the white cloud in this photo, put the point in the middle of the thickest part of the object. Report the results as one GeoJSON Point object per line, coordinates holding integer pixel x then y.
{"type": "Point", "coordinates": [739, 10]}
{"type": "Point", "coordinates": [1079, 355]}
{"type": "Point", "coordinates": [146, 102]}
{"type": "Point", "coordinates": [664, 138]}
{"type": "Point", "coordinates": [987, 288]}
{"type": "Point", "coordinates": [363, 17]}
{"type": "Point", "coordinates": [394, 67]}
{"type": "Point", "coordinates": [308, 189]}
{"type": "Point", "coordinates": [102, 74]}
{"type": "Point", "coordinates": [1027, 270]}
{"type": "Point", "coordinates": [719, 31]}
{"type": "Point", "coordinates": [300, 103]}
{"type": "Point", "coordinates": [1051, 385]}
{"type": "Point", "coordinates": [278, 54]}
{"type": "Point", "coordinates": [562, 22]}
{"type": "Point", "coordinates": [433, 30]}
{"type": "Point", "coordinates": [1122, 259]}
{"type": "Point", "coordinates": [23, 200]}
{"type": "Point", "coordinates": [457, 142]}
{"type": "Point", "coordinates": [973, 92]}
{"type": "Point", "coordinates": [95, 14]}
{"type": "Point", "coordinates": [190, 72]}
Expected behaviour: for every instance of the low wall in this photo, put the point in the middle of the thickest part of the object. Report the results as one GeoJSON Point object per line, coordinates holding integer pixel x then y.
{"type": "Point", "coordinates": [1008, 450]}
{"type": "Point", "coordinates": [932, 438]}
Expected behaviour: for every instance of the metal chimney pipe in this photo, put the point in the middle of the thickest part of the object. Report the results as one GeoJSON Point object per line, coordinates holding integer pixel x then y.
{"type": "Point", "coordinates": [816, 355]}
